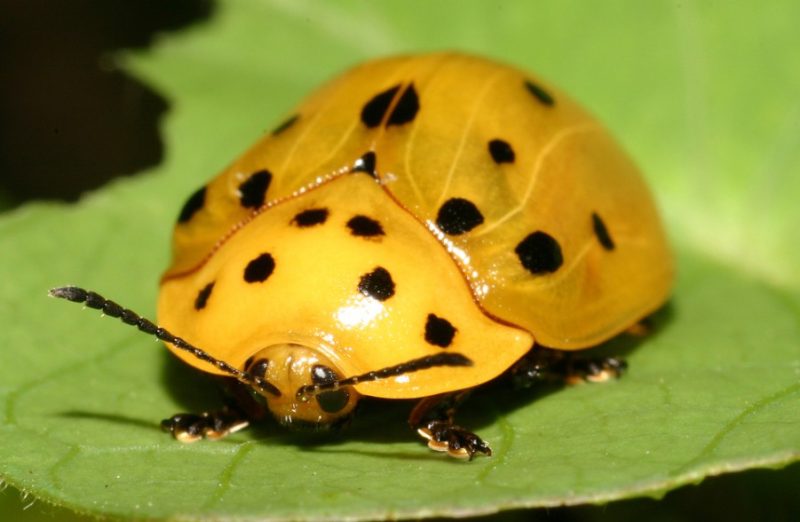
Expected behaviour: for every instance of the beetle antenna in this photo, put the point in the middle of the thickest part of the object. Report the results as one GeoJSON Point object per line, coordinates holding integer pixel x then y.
{"type": "Point", "coordinates": [112, 309]}
{"type": "Point", "coordinates": [414, 365]}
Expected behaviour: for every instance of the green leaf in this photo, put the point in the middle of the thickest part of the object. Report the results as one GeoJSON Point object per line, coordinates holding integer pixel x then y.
{"type": "Point", "coordinates": [709, 110]}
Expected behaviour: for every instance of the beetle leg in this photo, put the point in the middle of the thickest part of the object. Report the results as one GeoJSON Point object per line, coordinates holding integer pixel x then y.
{"type": "Point", "coordinates": [548, 365]}
{"type": "Point", "coordinates": [593, 369]}
{"type": "Point", "coordinates": [189, 427]}
{"type": "Point", "coordinates": [433, 419]}
{"type": "Point", "coordinates": [240, 408]}
{"type": "Point", "coordinates": [643, 328]}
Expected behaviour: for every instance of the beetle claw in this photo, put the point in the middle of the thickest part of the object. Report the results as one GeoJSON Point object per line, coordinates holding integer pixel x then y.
{"type": "Point", "coordinates": [188, 427]}
{"type": "Point", "coordinates": [596, 370]}
{"type": "Point", "coordinates": [454, 440]}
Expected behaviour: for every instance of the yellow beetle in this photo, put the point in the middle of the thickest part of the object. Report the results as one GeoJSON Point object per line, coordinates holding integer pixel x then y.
{"type": "Point", "coordinates": [417, 227]}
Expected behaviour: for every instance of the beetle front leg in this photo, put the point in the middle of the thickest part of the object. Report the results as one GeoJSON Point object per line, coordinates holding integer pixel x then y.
{"type": "Point", "coordinates": [190, 427]}
{"type": "Point", "coordinates": [433, 419]}
{"type": "Point", "coordinates": [239, 410]}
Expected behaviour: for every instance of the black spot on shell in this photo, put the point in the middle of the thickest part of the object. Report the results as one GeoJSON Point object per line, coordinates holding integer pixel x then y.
{"type": "Point", "coordinates": [311, 217]}
{"type": "Point", "coordinates": [364, 226]}
{"type": "Point", "coordinates": [457, 216]}
{"type": "Point", "coordinates": [540, 94]}
{"type": "Point", "coordinates": [601, 232]}
{"type": "Point", "coordinates": [192, 205]}
{"type": "Point", "coordinates": [253, 191]}
{"type": "Point", "coordinates": [259, 269]}
{"type": "Point", "coordinates": [373, 112]}
{"type": "Point", "coordinates": [203, 295]}
{"type": "Point", "coordinates": [501, 151]}
{"type": "Point", "coordinates": [406, 108]}
{"type": "Point", "coordinates": [285, 125]}
{"type": "Point", "coordinates": [366, 163]}
{"type": "Point", "coordinates": [438, 331]}
{"type": "Point", "coordinates": [539, 253]}
{"type": "Point", "coordinates": [377, 284]}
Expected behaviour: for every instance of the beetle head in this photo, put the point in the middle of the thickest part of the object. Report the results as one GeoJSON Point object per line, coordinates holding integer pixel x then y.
{"type": "Point", "coordinates": [291, 367]}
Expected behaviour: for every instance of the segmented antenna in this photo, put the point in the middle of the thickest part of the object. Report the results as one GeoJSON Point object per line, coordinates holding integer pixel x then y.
{"type": "Point", "coordinates": [414, 365]}
{"type": "Point", "coordinates": [112, 309]}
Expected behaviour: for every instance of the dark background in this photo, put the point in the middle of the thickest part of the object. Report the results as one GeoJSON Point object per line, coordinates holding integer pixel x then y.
{"type": "Point", "coordinates": [70, 121]}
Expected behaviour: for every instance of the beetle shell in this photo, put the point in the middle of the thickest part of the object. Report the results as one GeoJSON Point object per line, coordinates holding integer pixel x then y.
{"type": "Point", "coordinates": [418, 204]}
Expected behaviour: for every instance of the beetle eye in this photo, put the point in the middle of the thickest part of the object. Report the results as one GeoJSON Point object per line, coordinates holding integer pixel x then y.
{"type": "Point", "coordinates": [322, 374]}
{"type": "Point", "coordinates": [258, 368]}
{"type": "Point", "coordinates": [331, 401]}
